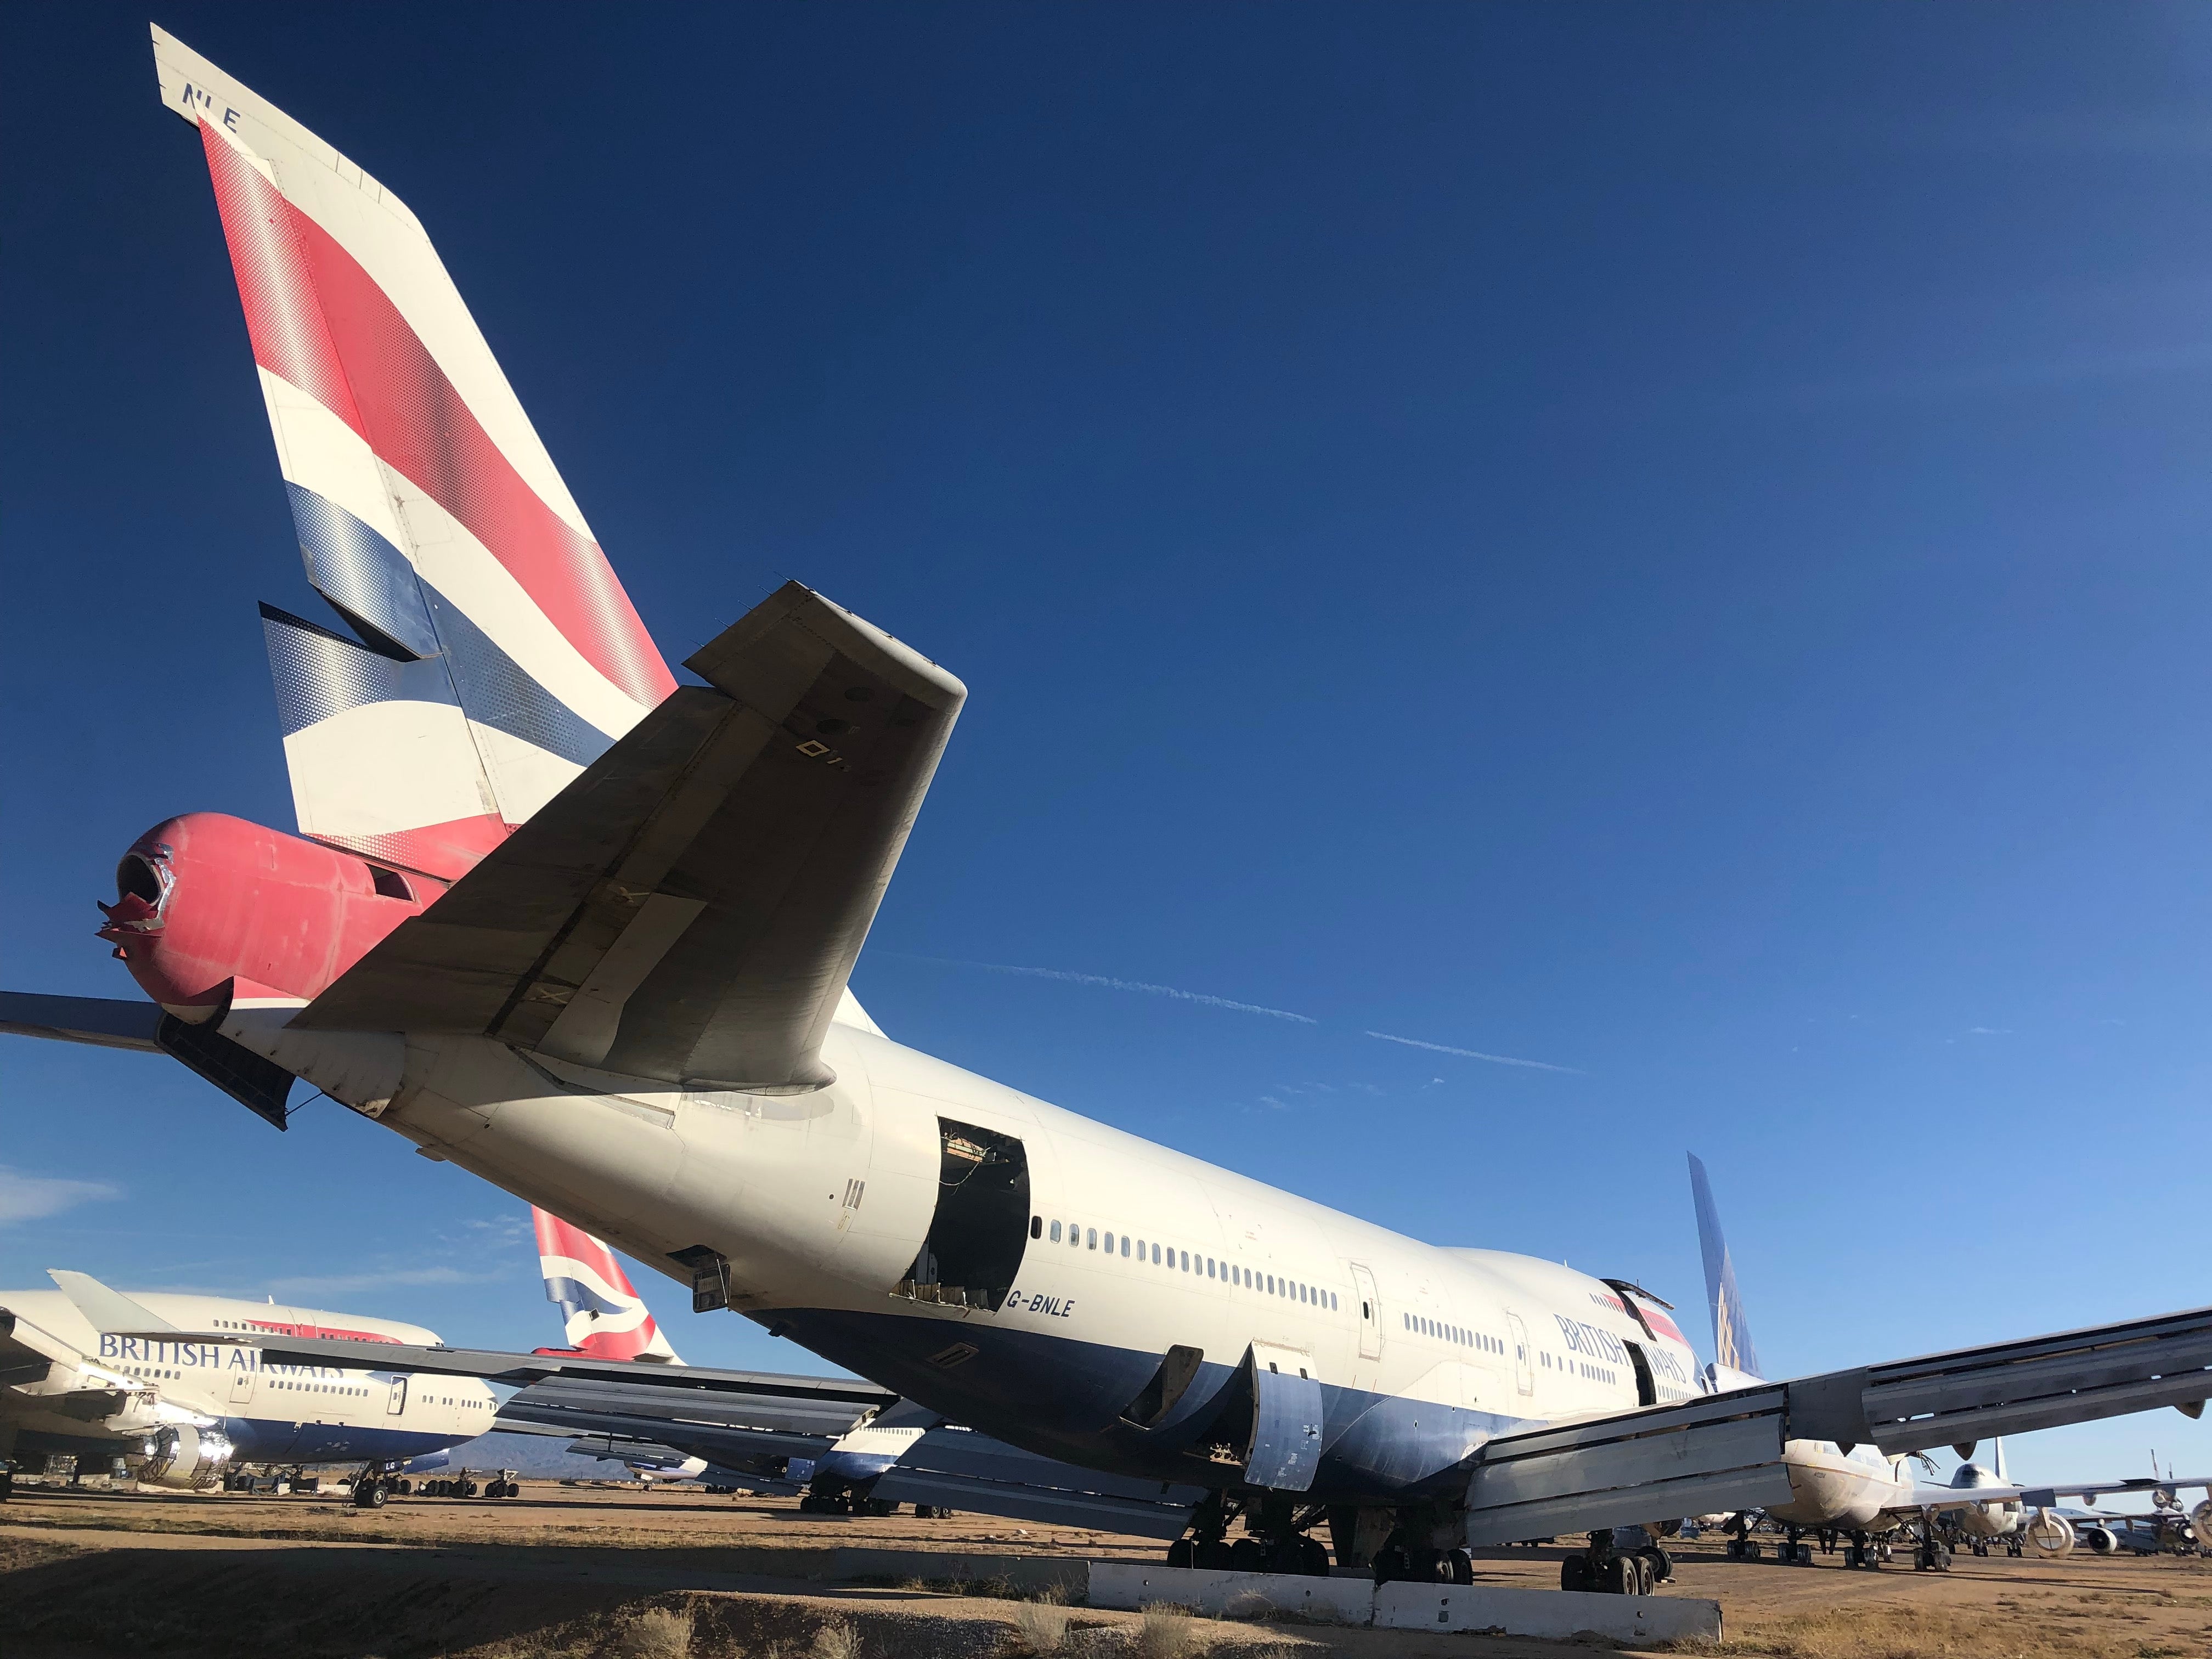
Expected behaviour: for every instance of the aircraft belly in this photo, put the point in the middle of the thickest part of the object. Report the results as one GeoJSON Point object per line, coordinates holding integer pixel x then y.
{"type": "Point", "coordinates": [1061, 1398]}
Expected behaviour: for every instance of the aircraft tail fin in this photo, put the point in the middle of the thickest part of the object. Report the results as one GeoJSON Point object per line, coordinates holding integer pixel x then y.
{"type": "Point", "coordinates": [493, 654]}
{"type": "Point", "coordinates": [602, 1315]}
{"type": "Point", "coordinates": [1732, 1345]}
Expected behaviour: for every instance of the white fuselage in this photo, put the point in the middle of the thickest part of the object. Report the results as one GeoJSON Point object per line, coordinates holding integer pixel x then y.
{"type": "Point", "coordinates": [820, 1202]}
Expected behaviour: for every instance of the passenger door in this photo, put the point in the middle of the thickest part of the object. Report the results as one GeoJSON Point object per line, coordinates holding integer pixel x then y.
{"type": "Point", "coordinates": [398, 1402]}
{"type": "Point", "coordinates": [1524, 1366]}
{"type": "Point", "coordinates": [1370, 1313]}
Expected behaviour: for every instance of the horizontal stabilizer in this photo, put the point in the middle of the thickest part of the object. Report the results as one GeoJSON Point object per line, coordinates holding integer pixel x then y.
{"type": "Point", "coordinates": [103, 1022]}
{"type": "Point", "coordinates": [690, 908]}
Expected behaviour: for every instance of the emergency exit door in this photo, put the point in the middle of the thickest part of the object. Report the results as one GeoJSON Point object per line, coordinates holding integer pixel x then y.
{"type": "Point", "coordinates": [398, 1402]}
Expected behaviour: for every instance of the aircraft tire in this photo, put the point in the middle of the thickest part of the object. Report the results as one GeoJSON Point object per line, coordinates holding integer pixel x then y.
{"type": "Point", "coordinates": [368, 1494]}
{"type": "Point", "coordinates": [1574, 1573]}
{"type": "Point", "coordinates": [1662, 1565]}
{"type": "Point", "coordinates": [1619, 1576]}
{"type": "Point", "coordinates": [1182, 1554]}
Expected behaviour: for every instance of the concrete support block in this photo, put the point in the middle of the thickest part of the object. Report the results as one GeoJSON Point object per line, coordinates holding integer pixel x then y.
{"type": "Point", "coordinates": [1239, 1595]}
{"type": "Point", "coordinates": [1560, 1616]}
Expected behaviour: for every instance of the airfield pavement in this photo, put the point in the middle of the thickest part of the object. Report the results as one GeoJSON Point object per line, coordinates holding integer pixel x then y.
{"type": "Point", "coordinates": [605, 1572]}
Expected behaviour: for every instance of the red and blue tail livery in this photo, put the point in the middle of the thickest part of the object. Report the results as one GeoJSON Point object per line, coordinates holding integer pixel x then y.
{"type": "Point", "coordinates": [493, 654]}
{"type": "Point", "coordinates": [604, 1317]}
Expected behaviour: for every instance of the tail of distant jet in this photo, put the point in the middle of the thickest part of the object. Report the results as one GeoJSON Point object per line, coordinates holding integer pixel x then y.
{"type": "Point", "coordinates": [492, 654]}
{"type": "Point", "coordinates": [1732, 1346]}
{"type": "Point", "coordinates": [605, 1317]}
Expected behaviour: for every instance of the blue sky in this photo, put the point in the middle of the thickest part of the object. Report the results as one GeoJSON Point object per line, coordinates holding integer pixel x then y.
{"type": "Point", "coordinates": [1664, 542]}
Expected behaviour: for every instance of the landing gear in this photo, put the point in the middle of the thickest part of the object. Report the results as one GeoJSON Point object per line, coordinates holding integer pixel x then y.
{"type": "Point", "coordinates": [1932, 1553]}
{"type": "Point", "coordinates": [1275, 1538]}
{"type": "Point", "coordinates": [1616, 1564]}
{"type": "Point", "coordinates": [1743, 1547]}
{"type": "Point", "coordinates": [2013, 1546]}
{"type": "Point", "coordinates": [1795, 1552]}
{"type": "Point", "coordinates": [369, 1492]}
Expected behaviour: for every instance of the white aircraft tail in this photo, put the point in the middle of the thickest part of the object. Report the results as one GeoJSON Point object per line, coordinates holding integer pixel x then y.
{"type": "Point", "coordinates": [1732, 1348]}
{"type": "Point", "coordinates": [493, 654]}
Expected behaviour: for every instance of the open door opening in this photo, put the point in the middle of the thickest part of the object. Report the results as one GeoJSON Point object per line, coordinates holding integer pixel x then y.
{"type": "Point", "coordinates": [1647, 1386]}
{"type": "Point", "coordinates": [981, 1224]}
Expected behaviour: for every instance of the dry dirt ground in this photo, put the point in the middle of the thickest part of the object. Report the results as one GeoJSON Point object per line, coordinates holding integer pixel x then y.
{"type": "Point", "coordinates": [606, 1573]}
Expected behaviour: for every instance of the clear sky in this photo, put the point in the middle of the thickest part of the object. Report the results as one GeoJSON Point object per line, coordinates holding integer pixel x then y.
{"type": "Point", "coordinates": [1667, 541]}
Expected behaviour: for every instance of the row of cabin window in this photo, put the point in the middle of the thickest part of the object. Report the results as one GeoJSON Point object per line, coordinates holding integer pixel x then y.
{"type": "Point", "coordinates": [1458, 1334]}
{"type": "Point", "coordinates": [1582, 1368]}
{"type": "Point", "coordinates": [1082, 1237]}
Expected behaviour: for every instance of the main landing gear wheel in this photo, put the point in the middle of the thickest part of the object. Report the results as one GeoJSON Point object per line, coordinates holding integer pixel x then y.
{"type": "Point", "coordinates": [1182, 1554]}
{"type": "Point", "coordinates": [1575, 1572]}
{"type": "Point", "coordinates": [369, 1493]}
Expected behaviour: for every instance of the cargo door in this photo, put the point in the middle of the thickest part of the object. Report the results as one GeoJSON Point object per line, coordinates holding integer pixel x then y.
{"type": "Point", "coordinates": [981, 1224]}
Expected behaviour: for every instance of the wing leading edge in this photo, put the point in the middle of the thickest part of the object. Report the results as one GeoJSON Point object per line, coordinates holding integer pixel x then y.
{"type": "Point", "coordinates": [1726, 1450]}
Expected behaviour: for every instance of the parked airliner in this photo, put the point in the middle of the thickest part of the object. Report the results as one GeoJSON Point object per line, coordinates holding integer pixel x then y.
{"type": "Point", "coordinates": [587, 934]}
{"type": "Point", "coordinates": [90, 1374]}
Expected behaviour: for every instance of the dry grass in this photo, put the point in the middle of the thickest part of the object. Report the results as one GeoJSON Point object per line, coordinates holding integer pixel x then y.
{"type": "Point", "coordinates": [835, 1640]}
{"type": "Point", "coordinates": [1040, 1627]}
{"type": "Point", "coordinates": [1165, 1631]}
{"type": "Point", "coordinates": [656, 1633]}
{"type": "Point", "coordinates": [1914, 1633]}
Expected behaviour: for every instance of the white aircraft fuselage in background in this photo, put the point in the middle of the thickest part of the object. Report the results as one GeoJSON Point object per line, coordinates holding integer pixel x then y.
{"type": "Point", "coordinates": [267, 1412]}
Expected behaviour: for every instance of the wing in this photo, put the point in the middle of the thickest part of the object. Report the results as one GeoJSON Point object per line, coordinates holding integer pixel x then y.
{"type": "Point", "coordinates": [1929, 1496]}
{"type": "Point", "coordinates": [100, 1021]}
{"type": "Point", "coordinates": [828, 1405]}
{"type": "Point", "coordinates": [2048, 1497]}
{"type": "Point", "coordinates": [690, 908]}
{"type": "Point", "coordinates": [1725, 1451]}
{"type": "Point", "coordinates": [44, 1374]}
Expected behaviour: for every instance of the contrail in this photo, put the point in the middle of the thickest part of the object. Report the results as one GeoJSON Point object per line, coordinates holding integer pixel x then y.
{"type": "Point", "coordinates": [1114, 985]}
{"type": "Point", "coordinates": [1477, 1054]}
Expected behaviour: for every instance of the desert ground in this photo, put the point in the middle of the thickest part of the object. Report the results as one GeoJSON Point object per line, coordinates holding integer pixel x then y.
{"type": "Point", "coordinates": [579, 1573]}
